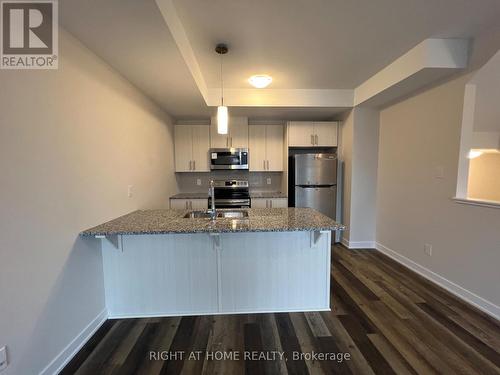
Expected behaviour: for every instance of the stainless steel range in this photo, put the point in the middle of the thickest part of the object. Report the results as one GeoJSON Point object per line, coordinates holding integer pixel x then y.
{"type": "Point", "coordinates": [231, 194]}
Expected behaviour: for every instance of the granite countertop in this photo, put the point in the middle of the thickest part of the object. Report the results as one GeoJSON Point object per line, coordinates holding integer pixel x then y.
{"type": "Point", "coordinates": [259, 220]}
{"type": "Point", "coordinates": [190, 196]}
{"type": "Point", "coordinates": [256, 194]}
{"type": "Point", "coordinates": [267, 194]}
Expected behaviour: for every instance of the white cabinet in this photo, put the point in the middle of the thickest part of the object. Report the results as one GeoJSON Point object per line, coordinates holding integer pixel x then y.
{"type": "Point", "coordinates": [237, 136]}
{"type": "Point", "coordinates": [264, 272]}
{"type": "Point", "coordinates": [269, 202]}
{"type": "Point", "coordinates": [312, 134]}
{"type": "Point", "coordinates": [189, 204]}
{"type": "Point", "coordinates": [160, 275]}
{"type": "Point", "coordinates": [191, 148]}
{"type": "Point", "coordinates": [300, 133]}
{"type": "Point", "coordinates": [266, 148]}
{"type": "Point", "coordinates": [207, 273]}
{"type": "Point", "coordinates": [325, 134]}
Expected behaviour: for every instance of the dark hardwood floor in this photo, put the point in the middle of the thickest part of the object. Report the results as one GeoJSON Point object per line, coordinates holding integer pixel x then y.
{"type": "Point", "coordinates": [386, 318]}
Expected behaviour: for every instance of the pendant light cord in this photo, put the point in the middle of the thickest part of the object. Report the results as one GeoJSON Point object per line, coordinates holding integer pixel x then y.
{"type": "Point", "coordinates": [221, 83]}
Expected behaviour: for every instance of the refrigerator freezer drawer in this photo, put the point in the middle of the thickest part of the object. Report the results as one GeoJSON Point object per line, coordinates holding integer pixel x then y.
{"type": "Point", "coordinates": [322, 199]}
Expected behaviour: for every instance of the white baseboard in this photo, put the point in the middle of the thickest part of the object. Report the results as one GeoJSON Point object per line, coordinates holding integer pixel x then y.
{"type": "Point", "coordinates": [358, 244]}
{"type": "Point", "coordinates": [62, 359]}
{"type": "Point", "coordinates": [462, 293]}
{"type": "Point", "coordinates": [236, 312]}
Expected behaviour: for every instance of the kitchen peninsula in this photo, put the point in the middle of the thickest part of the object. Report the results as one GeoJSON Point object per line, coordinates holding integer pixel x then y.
{"type": "Point", "coordinates": [179, 262]}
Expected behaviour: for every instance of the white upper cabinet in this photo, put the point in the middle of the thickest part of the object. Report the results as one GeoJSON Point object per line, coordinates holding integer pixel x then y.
{"type": "Point", "coordinates": [237, 136]}
{"type": "Point", "coordinates": [325, 134]}
{"type": "Point", "coordinates": [312, 134]}
{"type": "Point", "coordinates": [266, 148]}
{"type": "Point", "coordinates": [191, 148]}
{"type": "Point", "coordinates": [257, 148]}
{"type": "Point", "coordinates": [183, 148]}
{"type": "Point", "coordinates": [300, 133]}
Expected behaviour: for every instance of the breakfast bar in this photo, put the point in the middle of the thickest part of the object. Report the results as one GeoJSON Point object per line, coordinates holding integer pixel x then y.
{"type": "Point", "coordinates": [179, 262]}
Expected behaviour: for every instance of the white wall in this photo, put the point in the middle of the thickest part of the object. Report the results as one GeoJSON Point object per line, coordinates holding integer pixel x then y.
{"type": "Point", "coordinates": [71, 141]}
{"type": "Point", "coordinates": [418, 137]}
{"type": "Point", "coordinates": [359, 152]}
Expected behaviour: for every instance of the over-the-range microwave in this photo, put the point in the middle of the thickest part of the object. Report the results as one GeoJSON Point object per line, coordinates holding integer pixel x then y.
{"type": "Point", "coordinates": [228, 158]}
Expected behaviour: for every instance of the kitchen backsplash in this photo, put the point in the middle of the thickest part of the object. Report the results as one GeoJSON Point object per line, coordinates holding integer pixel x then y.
{"type": "Point", "coordinates": [199, 182]}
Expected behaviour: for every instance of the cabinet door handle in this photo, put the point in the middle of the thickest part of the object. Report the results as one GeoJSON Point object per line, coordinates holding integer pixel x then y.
{"type": "Point", "coordinates": [190, 205]}
{"type": "Point", "coordinates": [264, 164]}
{"type": "Point", "coordinates": [227, 141]}
{"type": "Point", "coordinates": [231, 138]}
{"type": "Point", "coordinates": [312, 139]}
{"type": "Point", "coordinates": [194, 165]}
{"type": "Point", "coordinates": [316, 136]}
{"type": "Point", "coordinates": [186, 204]}
{"type": "Point", "coordinates": [268, 165]}
{"type": "Point", "coordinates": [190, 165]}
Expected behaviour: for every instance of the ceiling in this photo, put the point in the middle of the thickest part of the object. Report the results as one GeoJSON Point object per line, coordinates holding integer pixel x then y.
{"type": "Point", "coordinates": [132, 37]}
{"type": "Point", "coordinates": [320, 44]}
{"type": "Point", "coordinates": [313, 44]}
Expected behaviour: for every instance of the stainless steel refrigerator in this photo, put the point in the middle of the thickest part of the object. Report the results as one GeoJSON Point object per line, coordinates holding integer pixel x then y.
{"type": "Point", "coordinates": [315, 182]}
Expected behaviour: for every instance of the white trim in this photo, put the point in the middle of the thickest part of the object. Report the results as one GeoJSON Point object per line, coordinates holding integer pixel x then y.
{"type": "Point", "coordinates": [477, 202]}
{"type": "Point", "coordinates": [197, 313]}
{"type": "Point", "coordinates": [410, 71]}
{"type": "Point", "coordinates": [462, 293]}
{"type": "Point", "coordinates": [358, 244]}
{"type": "Point", "coordinates": [67, 354]}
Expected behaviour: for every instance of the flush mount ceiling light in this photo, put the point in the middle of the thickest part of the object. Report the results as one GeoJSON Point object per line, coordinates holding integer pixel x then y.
{"type": "Point", "coordinates": [222, 113]}
{"type": "Point", "coordinates": [260, 81]}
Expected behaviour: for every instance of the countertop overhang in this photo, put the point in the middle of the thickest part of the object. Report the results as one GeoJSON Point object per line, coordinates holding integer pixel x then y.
{"type": "Point", "coordinates": [172, 222]}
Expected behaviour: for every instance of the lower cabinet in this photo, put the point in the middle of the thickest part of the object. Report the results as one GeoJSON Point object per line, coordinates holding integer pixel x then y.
{"type": "Point", "coordinates": [269, 202]}
{"type": "Point", "coordinates": [188, 204]}
{"type": "Point", "coordinates": [158, 275]}
{"type": "Point", "coordinates": [202, 273]}
{"type": "Point", "coordinates": [267, 272]}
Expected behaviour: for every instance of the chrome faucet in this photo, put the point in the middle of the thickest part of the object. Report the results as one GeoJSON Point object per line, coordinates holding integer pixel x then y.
{"type": "Point", "coordinates": [211, 194]}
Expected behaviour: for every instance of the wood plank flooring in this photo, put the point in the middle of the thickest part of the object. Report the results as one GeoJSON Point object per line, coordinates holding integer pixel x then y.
{"type": "Point", "coordinates": [386, 318]}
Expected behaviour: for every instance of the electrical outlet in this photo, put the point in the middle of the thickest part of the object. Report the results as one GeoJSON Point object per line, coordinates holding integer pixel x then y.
{"type": "Point", "coordinates": [130, 191]}
{"type": "Point", "coordinates": [268, 180]}
{"type": "Point", "coordinates": [428, 249]}
{"type": "Point", "coordinates": [198, 181]}
{"type": "Point", "coordinates": [3, 358]}
{"type": "Point", "coordinates": [439, 171]}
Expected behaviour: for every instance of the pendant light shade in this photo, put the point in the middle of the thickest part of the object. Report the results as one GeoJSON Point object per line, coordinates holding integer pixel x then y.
{"type": "Point", "coordinates": [222, 113]}
{"type": "Point", "coordinates": [222, 119]}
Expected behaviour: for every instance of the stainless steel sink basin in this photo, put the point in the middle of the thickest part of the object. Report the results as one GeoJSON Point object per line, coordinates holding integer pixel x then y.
{"type": "Point", "coordinates": [221, 214]}
{"type": "Point", "coordinates": [232, 214]}
{"type": "Point", "coordinates": [197, 215]}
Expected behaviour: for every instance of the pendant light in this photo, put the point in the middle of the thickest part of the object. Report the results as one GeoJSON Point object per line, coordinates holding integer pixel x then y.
{"type": "Point", "coordinates": [222, 113]}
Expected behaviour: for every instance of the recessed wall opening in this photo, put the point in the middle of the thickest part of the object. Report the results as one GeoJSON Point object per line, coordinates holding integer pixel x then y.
{"type": "Point", "coordinates": [479, 162]}
{"type": "Point", "coordinates": [484, 175]}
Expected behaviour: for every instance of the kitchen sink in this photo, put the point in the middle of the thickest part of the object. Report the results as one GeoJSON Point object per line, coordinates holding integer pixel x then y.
{"type": "Point", "coordinates": [232, 214]}
{"type": "Point", "coordinates": [197, 215]}
{"type": "Point", "coordinates": [221, 214]}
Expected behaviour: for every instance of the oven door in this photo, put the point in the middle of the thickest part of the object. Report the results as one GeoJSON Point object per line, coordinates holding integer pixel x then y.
{"type": "Point", "coordinates": [228, 159]}
{"type": "Point", "coordinates": [231, 203]}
